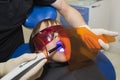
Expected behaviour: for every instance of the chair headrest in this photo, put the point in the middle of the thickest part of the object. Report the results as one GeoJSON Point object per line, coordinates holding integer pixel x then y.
{"type": "Point", "coordinates": [38, 14]}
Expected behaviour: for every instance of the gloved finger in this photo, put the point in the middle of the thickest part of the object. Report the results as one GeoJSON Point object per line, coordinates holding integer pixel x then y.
{"type": "Point", "coordinates": [104, 45]}
{"type": "Point", "coordinates": [93, 43]}
{"type": "Point", "coordinates": [35, 72]}
{"type": "Point", "coordinates": [26, 57]}
{"type": "Point", "coordinates": [17, 61]}
{"type": "Point", "coordinates": [23, 58]}
{"type": "Point", "coordinates": [103, 31]}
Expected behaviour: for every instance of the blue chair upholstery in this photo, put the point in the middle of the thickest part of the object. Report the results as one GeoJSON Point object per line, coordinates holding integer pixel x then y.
{"type": "Point", "coordinates": [105, 66]}
{"type": "Point", "coordinates": [38, 14]}
{"type": "Point", "coordinates": [24, 48]}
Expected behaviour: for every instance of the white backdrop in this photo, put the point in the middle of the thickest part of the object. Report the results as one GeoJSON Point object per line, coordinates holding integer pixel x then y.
{"type": "Point", "coordinates": [115, 15]}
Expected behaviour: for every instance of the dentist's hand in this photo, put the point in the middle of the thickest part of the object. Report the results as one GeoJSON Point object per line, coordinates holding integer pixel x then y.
{"type": "Point", "coordinates": [96, 38]}
{"type": "Point", "coordinates": [105, 37]}
{"type": "Point", "coordinates": [34, 73]}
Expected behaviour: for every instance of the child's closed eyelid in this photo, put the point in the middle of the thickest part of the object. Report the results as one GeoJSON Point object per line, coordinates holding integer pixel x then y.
{"type": "Point", "coordinates": [55, 35]}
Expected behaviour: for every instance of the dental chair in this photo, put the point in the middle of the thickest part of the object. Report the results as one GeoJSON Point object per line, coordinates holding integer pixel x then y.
{"type": "Point", "coordinates": [40, 13]}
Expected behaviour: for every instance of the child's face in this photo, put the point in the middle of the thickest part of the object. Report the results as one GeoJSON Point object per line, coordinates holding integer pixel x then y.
{"type": "Point", "coordinates": [56, 55]}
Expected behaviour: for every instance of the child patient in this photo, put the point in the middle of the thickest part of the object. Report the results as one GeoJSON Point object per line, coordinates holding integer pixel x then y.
{"type": "Point", "coordinates": [47, 35]}
{"type": "Point", "coordinates": [68, 60]}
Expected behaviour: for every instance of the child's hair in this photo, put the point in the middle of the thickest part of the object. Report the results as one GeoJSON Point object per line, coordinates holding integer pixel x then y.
{"type": "Point", "coordinates": [48, 22]}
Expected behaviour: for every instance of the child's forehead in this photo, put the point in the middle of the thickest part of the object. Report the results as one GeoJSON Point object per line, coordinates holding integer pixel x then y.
{"type": "Point", "coordinates": [43, 26]}
{"type": "Point", "coordinates": [47, 24]}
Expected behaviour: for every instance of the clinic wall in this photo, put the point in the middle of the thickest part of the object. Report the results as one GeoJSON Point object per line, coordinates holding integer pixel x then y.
{"type": "Point", "coordinates": [115, 15]}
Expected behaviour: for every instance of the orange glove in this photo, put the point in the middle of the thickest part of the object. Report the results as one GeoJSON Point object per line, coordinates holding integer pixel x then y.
{"type": "Point", "coordinates": [92, 40]}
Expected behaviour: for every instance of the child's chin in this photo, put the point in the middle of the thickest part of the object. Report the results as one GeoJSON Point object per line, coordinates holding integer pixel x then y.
{"type": "Point", "coordinates": [61, 60]}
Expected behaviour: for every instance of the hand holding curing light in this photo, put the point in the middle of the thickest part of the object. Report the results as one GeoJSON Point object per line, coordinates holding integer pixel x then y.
{"type": "Point", "coordinates": [27, 67]}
